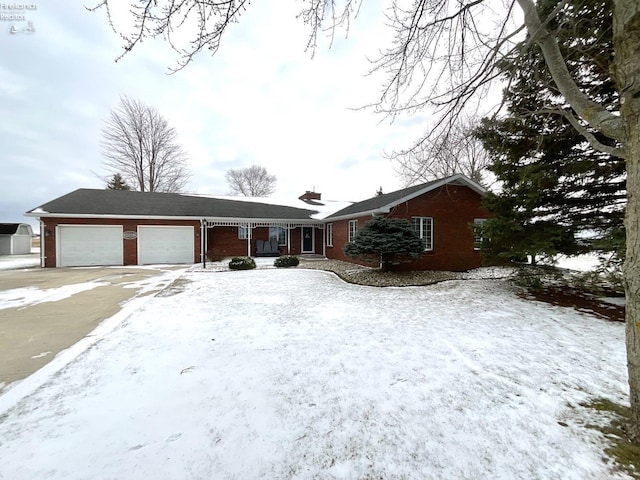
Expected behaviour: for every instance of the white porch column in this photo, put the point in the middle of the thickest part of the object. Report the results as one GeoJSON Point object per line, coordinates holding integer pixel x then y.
{"type": "Point", "coordinates": [248, 239]}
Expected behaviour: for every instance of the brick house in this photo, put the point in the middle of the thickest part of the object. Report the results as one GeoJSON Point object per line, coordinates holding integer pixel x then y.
{"type": "Point", "coordinates": [115, 227]}
{"type": "Point", "coordinates": [443, 212]}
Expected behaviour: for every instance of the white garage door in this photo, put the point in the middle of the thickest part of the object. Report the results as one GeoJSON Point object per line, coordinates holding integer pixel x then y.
{"type": "Point", "coordinates": [86, 245]}
{"type": "Point", "coordinates": [165, 244]}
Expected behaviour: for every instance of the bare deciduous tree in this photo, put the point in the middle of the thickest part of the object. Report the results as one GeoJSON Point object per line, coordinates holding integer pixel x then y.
{"type": "Point", "coordinates": [456, 151]}
{"type": "Point", "coordinates": [138, 143]}
{"type": "Point", "coordinates": [253, 181]}
{"type": "Point", "coordinates": [444, 54]}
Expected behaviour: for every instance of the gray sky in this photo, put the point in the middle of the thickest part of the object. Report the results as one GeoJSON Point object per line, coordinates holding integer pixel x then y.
{"type": "Point", "coordinates": [260, 100]}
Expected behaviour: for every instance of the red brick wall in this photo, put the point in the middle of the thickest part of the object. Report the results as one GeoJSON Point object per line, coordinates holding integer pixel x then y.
{"type": "Point", "coordinates": [223, 242]}
{"type": "Point", "coordinates": [453, 208]}
{"type": "Point", "coordinates": [130, 247]}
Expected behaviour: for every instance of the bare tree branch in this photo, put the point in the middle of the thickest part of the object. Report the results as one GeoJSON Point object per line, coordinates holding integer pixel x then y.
{"type": "Point", "coordinates": [457, 151]}
{"type": "Point", "coordinates": [138, 143]}
{"type": "Point", "coordinates": [252, 181]}
{"type": "Point", "coordinates": [594, 113]}
{"type": "Point", "coordinates": [584, 131]}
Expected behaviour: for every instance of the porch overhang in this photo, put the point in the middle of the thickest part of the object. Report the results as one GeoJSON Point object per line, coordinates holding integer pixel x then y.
{"type": "Point", "coordinates": [250, 224]}
{"type": "Point", "coordinates": [254, 223]}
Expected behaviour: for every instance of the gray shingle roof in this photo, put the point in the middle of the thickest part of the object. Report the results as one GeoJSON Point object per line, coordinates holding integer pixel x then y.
{"type": "Point", "coordinates": [8, 228]}
{"type": "Point", "coordinates": [388, 200]}
{"type": "Point", "coordinates": [93, 202]}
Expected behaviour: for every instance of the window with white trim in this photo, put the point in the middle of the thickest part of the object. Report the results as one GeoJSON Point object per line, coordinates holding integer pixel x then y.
{"type": "Point", "coordinates": [278, 233]}
{"type": "Point", "coordinates": [353, 229]}
{"type": "Point", "coordinates": [478, 223]}
{"type": "Point", "coordinates": [423, 226]}
{"type": "Point", "coordinates": [243, 232]}
{"type": "Point", "coordinates": [329, 231]}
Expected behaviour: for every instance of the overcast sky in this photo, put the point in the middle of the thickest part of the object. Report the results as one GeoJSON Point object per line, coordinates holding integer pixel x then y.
{"type": "Point", "coordinates": [260, 100]}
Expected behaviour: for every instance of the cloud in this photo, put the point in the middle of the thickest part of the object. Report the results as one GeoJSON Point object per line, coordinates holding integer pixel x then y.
{"type": "Point", "coordinates": [262, 99]}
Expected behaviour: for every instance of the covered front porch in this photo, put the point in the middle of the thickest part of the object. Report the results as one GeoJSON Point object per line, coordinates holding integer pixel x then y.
{"type": "Point", "coordinates": [228, 238]}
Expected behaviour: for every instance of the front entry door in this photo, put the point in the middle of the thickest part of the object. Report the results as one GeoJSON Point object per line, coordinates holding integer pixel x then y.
{"type": "Point", "coordinates": [307, 239]}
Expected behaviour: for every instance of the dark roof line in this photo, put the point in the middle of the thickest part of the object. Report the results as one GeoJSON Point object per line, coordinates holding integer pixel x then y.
{"type": "Point", "coordinates": [132, 203]}
{"type": "Point", "coordinates": [389, 200]}
{"type": "Point", "coordinates": [127, 203]}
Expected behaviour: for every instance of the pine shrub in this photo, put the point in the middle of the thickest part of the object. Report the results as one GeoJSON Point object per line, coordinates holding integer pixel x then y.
{"type": "Point", "coordinates": [286, 261]}
{"type": "Point", "coordinates": [242, 263]}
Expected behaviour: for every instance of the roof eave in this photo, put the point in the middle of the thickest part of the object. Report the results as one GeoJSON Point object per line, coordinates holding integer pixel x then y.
{"type": "Point", "coordinates": [441, 183]}
{"type": "Point", "coordinates": [366, 213]}
{"type": "Point", "coordinates": [166, 217]}
{"type": "Point", "coordinates": [387, 208]}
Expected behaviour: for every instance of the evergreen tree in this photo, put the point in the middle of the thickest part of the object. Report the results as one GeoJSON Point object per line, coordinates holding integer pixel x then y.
{"type": "Point", "coordinates": [387, 240]}
{"type": "Point", "coordinates": [117, 183]}
{"type": "Point", "coordinates": [557, 189]}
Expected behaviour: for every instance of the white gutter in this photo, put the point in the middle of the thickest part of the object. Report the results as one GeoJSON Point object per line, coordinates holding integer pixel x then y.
{"type": "Point", "coordinates": [367, 213]}
{"type": "Point", "coordinates": [42, 240]}
{"type": "Point", "coordinates": [199, 218]}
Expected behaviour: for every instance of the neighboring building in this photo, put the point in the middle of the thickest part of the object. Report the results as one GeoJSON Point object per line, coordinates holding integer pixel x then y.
{"type": "Point", "coordinates": [443, 212]}
{"type": "Point", "coordinates": [15, 238]}
{"type": "Point", "coordinates": [116, 227]}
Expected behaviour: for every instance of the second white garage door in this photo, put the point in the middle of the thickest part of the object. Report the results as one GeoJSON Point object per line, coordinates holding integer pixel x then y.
{"type": "Point", "coordinates": [165, 244]}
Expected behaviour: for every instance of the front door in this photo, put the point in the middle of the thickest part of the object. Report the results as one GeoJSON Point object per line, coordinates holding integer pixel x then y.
{"type": "Point", "coordinates": [307, 239]}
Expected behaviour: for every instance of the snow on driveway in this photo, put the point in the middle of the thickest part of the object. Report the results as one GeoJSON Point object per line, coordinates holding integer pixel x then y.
{"type": "Point", "coordinates": [274, 374]}
{"type": "Point", "coordinates": [22, 297]}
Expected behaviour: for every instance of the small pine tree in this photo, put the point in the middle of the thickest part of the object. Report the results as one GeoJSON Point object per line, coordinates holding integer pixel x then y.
{"type": "Point", "coordinates": [117, 183]}
{"type": "Point", "coordinates": [388, 240]}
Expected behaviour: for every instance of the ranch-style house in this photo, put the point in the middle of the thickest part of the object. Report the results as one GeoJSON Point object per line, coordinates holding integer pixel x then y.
{"type": "Point", "coordinates": [116, 227]}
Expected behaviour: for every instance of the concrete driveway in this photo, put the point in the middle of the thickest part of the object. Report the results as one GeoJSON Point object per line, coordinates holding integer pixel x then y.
{"type": "Point", "coordinates": [31, 335]}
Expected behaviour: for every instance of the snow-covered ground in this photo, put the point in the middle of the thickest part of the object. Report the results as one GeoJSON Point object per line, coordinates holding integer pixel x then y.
{"type": "Point", "coordinates": [274, 374]}
{"type": "Point", "coordinates": [13, 262]}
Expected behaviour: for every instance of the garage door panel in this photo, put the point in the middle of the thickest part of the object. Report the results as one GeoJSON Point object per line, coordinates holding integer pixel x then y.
{"type": "Point", "coordinates": [81, 246]}
{"type": "Point", "coordinates": [165, 244]}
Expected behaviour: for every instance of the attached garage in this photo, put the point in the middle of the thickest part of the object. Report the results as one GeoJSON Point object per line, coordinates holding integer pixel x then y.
{"type": "Point", "coordinates": [87, 245]}
{"type": "Point", "coordinates": [122, 227]}
{"type": "Point", "coordinates": [165, 244]}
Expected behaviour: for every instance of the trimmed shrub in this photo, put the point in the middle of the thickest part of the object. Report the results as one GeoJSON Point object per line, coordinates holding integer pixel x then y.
{"type": "Point", "coordinates": [286, 261]}
{"type": "Point", "coordinates": [215, 255]}
{"type": "Point", "coordinates": [242, 263]}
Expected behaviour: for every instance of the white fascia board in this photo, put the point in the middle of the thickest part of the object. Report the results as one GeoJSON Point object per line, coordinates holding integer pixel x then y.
{"type": "Point", "coordinates": [164, 217]}
{"type": "Point", "coordinates": [85, 215]}
{"type": "Point", "coordinates": [309, 221]}
{"type": "Point", "coordinates": [366, 213]}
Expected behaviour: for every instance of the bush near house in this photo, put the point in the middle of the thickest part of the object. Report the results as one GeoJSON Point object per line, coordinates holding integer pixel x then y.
{"type": "Point", "coordinates": [286, 261]}
{"type": "Point", "coordinates": [242, 263]}
{"type": "Point", "coordinates": [388, 241]}
{"type": "Point", "coordinates": [215, 255]}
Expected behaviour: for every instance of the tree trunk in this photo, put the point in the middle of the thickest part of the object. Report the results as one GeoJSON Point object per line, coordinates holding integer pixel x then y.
{"type": "Point", "coordinates": [632, 269]}
{"type": "Point", "coordinates": [626, 71]}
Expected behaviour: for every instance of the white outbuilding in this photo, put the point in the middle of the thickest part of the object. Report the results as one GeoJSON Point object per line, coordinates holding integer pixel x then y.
{"type": "Point", "coordinates": [15, 238]}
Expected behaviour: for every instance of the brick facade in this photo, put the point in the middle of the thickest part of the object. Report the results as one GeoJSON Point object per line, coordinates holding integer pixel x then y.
{"type": "Point", "coordinates": [129, 247]}
{"type": "Point", "coordinates": [223, 242]}
{"type": "Point", "coordinates": [453, 209]}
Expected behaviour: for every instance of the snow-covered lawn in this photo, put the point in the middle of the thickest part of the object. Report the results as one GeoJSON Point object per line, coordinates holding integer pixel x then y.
{"type": "Point", "coordinates": [277, 374]}
{"type": "Point", "coordinates": [13, 262]}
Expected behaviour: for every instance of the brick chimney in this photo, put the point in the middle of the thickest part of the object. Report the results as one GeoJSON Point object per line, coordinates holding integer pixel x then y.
{"type": "Point", "coordinates": [310, 197]}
